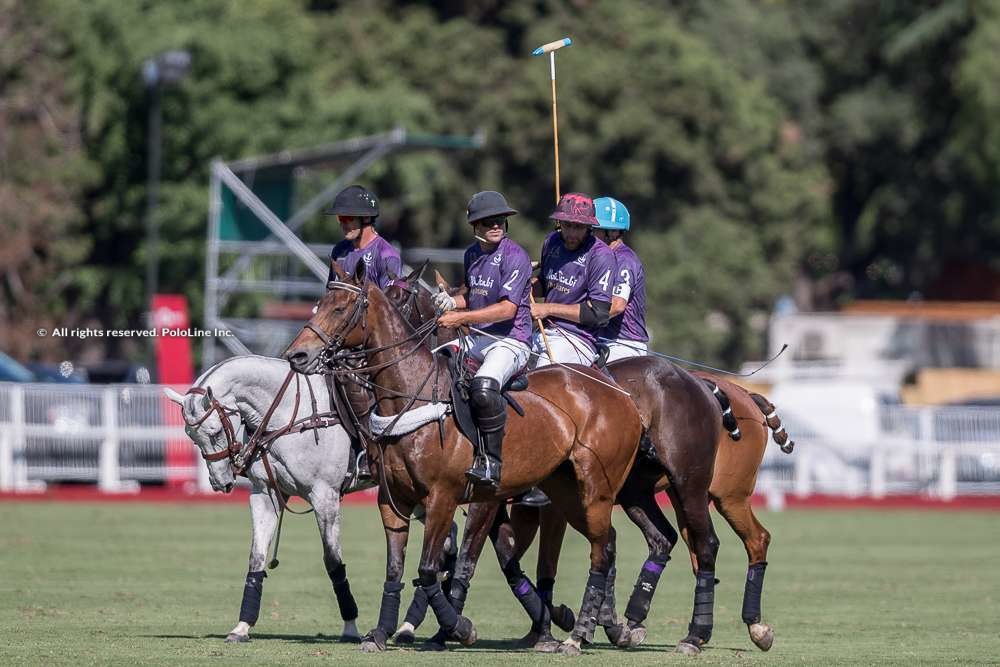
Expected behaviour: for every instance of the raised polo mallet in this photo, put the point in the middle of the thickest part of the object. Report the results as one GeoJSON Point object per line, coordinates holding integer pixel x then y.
{"type": "Point", "coordinates": [551, 49]}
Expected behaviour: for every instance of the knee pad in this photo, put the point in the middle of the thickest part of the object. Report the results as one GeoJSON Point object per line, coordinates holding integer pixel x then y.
{"type": "Point", "coordinates": [485, 393]}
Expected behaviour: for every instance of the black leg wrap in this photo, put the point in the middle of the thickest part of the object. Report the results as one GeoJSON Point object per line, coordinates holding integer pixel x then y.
{"type": "Point", "coordinates": [704, 603]}
{"type": "Point", "coordinates": [752, 592]}
{"type": "Point", "coordinates": [252, 590]}
{"type": "Point", "coordinates": [645, 587]}
{"type": "Point", "coordinates": [459, 591]}
{"type": "Point", "coordinates": [418, 608]}
{"type": "Point", "coordinates": [446, 615]}
{"type": "Point", "coordinates": [592, 598]}
{"type": "Point", "coordinates": [533, 605]}
{"type": "Point", "coordinates": [545, 587]}
{"type": "Point", "coordinates": [342, 589]}
{"type": "Point", "coordinates": [388, 615]}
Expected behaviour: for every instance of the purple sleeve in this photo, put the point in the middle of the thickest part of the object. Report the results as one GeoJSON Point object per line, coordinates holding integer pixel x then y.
{"type": "Point", "coordinates": [466, 261]}
{"type": "Point", "coordinates": [601, 274]}
{"type": "Point", "coordinates": [392, 265]}
{"type": "Point", "coordinates": [514, 277]}
{"type": "Point", "coordinates": [629, 271]}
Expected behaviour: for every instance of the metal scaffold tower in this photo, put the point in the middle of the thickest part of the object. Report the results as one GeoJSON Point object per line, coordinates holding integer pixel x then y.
{"type": "Point", "coordinates": [254, 245]}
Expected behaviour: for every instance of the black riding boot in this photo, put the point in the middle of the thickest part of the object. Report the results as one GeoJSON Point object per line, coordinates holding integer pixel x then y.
{"type": "Point", "coordinates": [490, 412]}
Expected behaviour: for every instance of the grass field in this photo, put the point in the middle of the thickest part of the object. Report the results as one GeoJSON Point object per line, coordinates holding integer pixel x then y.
{"type": "Point", "coordinates": [121, 583]}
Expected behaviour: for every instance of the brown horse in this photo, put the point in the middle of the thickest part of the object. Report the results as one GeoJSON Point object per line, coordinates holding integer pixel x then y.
{"type": "Point", "coordinates": [733, 480]}
{"type": "Point", "coordinates": [578, 454]}
{"type": "Point", "coordinates": [682, 424]}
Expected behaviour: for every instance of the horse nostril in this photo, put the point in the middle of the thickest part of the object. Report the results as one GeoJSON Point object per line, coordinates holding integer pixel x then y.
{"type": "Point", "coordinates": [228, 487]}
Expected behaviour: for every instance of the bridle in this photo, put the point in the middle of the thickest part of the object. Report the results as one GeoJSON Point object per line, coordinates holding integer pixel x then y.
{"type": "Point", "coordinates": [334, 341]}
{"type": "Point", "coordinates": [242, 456]}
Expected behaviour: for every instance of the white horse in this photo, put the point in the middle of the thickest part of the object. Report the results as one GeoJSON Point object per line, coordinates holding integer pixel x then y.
{"type": "Point", "coordinates": [311, 464]}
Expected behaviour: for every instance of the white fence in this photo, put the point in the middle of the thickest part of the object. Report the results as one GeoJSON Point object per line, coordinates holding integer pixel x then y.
{"type": "Point", "coordinates": [121, 435]}
{"type": "Point", "coordinates": [114, 435]}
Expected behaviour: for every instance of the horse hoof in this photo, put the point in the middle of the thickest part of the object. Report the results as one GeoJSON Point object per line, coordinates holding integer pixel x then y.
{"type": "Point", "coordinates": [762, 635]}
{"type": "Point", "coordinates": [373, 642]}
{"type": "Point", "coordinates": [629, 637]}
{"type": "Point", "coordinates": [233, 638]}
{"type": "Point", "coordinates": [569, 648]}
{"type": "Point", "coordinates": [687, 648]}
{"type": "Point", "coordinates": [350, 639]}
{"type": "Point", "coordinates": [464, 632]}
{"type": "Point", "coordinates": [527, 641]}
{"type": "Point", "coordinates": [563, 617]}
{"type": "Point", "coordinates": [547, 644]}
{"type": "Point", "coordinates": [404, 637]}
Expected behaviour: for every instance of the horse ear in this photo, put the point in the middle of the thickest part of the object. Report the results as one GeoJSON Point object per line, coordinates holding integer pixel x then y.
{"type": "Point", "coordinates": [359, 273]}
{"type": "Point", "coordinates": [337, 271]}
{"type": "Point", "coordinates": [173, 396]}
{"type": "Point", "coordinates": [417, 273]}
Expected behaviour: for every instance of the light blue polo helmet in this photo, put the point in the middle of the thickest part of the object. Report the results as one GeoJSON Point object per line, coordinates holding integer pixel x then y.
{"type": "Point", "coordinates": [611, 214]}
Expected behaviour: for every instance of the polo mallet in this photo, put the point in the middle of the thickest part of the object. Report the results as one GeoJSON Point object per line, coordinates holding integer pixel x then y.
{"type": "Point", "coordinates": [551, 49]}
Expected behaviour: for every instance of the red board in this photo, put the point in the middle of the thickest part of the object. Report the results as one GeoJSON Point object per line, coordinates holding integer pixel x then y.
{"type": "Point", "coordinates": [174, 366]}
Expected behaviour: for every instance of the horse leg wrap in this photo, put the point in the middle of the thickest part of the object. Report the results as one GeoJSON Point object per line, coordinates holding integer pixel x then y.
{"type": "Point", "coordinates": [607, 616]}
{"type": "Point", "coordinates": [700, 627]}
{"type": "Point", "coordinates": [545, 587]}
{"type": "Point", "coordinates": [446, 615]}
{"type": "Point", "coordinates": [592, 598]}
{"type": "Point", "coordinates": [533, 605]}
{"type": "Point", "coordinates": [645, 587]}
{"type": "Point", "coordinates": [342, 588]}
{"type": "Point", "coordinates": [388, 615]}
{"type": "Point", "coordinates": [752, 592]}
{"type": "Point", "coordinates": [252, 590]}
{"type": "Point", "coordinates": [418, 608]}
{"type": "Point", "coordinates": [459, 591]}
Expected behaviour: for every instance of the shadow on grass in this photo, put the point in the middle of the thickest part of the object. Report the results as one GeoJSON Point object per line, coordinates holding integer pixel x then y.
{"type": "Point", "coordinates": [481, 646]}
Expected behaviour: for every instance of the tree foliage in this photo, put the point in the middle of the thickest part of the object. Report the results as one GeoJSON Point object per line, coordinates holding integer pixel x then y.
{"type": "Point", "coordinates": [830, 150]}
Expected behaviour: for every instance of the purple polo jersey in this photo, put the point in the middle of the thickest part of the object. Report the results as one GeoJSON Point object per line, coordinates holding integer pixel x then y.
{"type": "Point", "coordinates": [630, 284]}
{"type": "Point", "coordinates": [572, 277]}
{"type": "Point", "coordinates": [381, 260]}
{"type": "Point", "coordinates": [503, 273]}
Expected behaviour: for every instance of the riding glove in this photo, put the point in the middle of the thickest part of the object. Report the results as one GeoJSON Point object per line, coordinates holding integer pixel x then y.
{"type": "Point", "coordinates": [444, 301]}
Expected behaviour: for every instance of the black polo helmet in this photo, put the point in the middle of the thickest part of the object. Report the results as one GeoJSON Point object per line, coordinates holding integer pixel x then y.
{"type": "Point", "coordinates": [354, 200]}
{"type": "Point", "coordinates": [488, 204]}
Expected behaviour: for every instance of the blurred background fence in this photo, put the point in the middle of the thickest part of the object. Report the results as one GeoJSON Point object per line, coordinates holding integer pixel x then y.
{"type": "Point", "coordinates": [119, 436]}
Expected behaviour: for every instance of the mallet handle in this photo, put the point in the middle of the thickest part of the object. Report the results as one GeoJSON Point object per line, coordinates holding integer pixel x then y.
{"type": "Point", "coordinates": [552, 46]}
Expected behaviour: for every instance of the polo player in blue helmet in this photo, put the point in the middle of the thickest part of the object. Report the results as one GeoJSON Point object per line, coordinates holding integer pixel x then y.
{"type": "Point", "coordinates": [625, 334]}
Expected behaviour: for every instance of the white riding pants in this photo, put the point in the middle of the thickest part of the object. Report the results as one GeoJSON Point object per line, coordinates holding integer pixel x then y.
{"type": "Point", "coordinates": [567, 348]}
{"type": "Point", "coordinates": [623, 349]}
{"type": "Point", "coordinates": [501, 358]}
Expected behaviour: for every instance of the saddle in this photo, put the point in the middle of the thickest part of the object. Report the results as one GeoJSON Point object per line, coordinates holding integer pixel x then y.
{"type": "Point", "coordinates": [461, 368]}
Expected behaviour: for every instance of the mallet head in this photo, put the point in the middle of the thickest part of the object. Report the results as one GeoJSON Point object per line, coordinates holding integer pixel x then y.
{"type": "Point", "coordinates": [552, 46]}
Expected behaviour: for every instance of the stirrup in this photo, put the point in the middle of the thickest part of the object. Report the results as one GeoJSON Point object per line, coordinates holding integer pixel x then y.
{"type": "Point", "coordinates": [481, 472]}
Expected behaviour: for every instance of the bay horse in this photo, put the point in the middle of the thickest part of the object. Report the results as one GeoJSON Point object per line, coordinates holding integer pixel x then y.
{"type": "Point", "coordinates": [733, 480]}
{"type": "Point", "coordinates": [309, 460]}
{"type": "Point", "coordinates": [580, 458]}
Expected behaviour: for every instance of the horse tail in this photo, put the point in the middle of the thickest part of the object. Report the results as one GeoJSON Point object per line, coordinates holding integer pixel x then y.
{"type": "Point", "coordinates": [728, 418]}
{"type": "Point", "coordinates": [773, 421]}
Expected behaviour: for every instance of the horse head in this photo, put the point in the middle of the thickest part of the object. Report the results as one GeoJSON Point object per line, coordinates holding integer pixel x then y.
{"type": "Point", "coordinates": [339, 321]}
{"type": "Point", "coordinates": [207, 423]}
